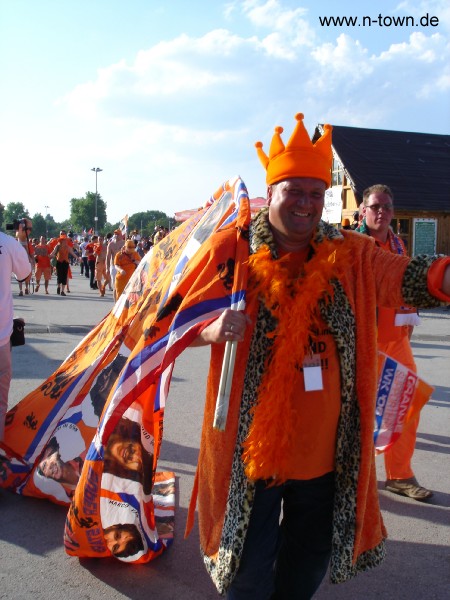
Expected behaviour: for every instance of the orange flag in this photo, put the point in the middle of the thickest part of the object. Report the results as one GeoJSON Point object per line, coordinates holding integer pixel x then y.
{"type": "Point", "coordinates": [90, 435]}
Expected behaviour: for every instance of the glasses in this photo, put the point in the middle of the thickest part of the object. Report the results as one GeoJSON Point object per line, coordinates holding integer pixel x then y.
{"type": "Point", "coordinates": [377, 207]}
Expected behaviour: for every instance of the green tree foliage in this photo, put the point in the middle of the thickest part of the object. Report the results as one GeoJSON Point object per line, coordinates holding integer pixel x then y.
{"type": "Point", "coordinates": [145, 222]}
{"type": "Point", "coordinates": [15, 211]}
{"type": "Point", "coordinates": [66, 225]}
{"type": "Point", "coordinates": [53, 228]}
{"type": "Point", "coordinates": [109, 227]}
{"type": "Point", "coordinates": [82, 212]}
{"type": "Point", "coordinates": [39, 226]}
{"type": "Point", "coordinates": [82, 215]}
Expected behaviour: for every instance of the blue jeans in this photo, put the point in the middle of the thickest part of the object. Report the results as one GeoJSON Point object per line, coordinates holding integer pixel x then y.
{"type": "Point", "coordinates": [286, 561]}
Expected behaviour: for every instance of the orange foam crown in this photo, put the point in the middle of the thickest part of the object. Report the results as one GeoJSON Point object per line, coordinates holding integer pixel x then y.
{"type": "Point", "coordinates": [300, 157]}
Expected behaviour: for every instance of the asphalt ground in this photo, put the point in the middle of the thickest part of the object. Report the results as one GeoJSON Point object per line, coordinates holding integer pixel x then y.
{"type": "Point", "coordinates": [33, 563]}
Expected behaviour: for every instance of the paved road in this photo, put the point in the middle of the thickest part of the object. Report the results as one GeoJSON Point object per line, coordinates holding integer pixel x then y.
{"type": "Point", "coordinates": [33, 564]}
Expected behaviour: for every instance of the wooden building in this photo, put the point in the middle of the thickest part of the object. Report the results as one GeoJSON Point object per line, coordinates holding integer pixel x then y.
{"type": "Point", "coordinates": [416, 166]}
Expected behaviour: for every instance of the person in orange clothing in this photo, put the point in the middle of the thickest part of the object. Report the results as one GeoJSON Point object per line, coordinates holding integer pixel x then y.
{"type": "Point", "coordinates": [100, 249]}
{"type": "Point", "coordinates": [125, 261]}
{"type": "Point", "coordinates": [291, 485]}
{"type": "Point", "coordinates": [395, 327]}
{"type": "Point", "coordinates": [55, 241]}
{"type": "Point", "coordinates": [61, 252]}
{"type": "Point", "coordinates": [115, 244]}
{"type": "Point", "coordinates": [91, 257]}
{"type": "Point", "coordinates": [43, 264]}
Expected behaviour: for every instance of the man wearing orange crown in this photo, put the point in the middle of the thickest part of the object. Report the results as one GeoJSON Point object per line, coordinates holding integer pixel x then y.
{"type": "Point", "coordinates": [299, 436]}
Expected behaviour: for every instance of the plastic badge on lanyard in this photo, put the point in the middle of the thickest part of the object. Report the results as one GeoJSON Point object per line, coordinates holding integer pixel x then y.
{"type": "Point", "coordinates": [312, 373]}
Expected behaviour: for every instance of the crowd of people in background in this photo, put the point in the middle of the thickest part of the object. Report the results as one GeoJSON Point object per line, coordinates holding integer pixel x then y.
{"type": "Point", "coordinates": [106, 261]}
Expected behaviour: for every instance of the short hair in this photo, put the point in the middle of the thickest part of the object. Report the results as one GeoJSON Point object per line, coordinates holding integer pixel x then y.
{"type": "Point", "coordinates": [49, 449]}
{"type": "Point", "coordinates": [378, 188]}
{"type": "Point", "coordinates": [104, 383]}
{"type": "Point", "coordinates": [134, 545]}
{"type": "Point", "coordinates": [128, 430]}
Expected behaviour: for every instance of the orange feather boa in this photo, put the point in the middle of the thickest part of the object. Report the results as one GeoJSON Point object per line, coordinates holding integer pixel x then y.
{"type": "Point", "coordinates": [294, 304]}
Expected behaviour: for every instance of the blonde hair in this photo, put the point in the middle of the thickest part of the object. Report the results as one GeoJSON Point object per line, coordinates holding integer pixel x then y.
{"type": "Point", "coordinates": [378, 188]}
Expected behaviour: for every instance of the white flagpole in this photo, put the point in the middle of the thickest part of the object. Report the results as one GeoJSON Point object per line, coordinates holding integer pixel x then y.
{"type": "Point", "coordinates": [226, 379]}
{"type": "Point", "coordinates": [229, 359]}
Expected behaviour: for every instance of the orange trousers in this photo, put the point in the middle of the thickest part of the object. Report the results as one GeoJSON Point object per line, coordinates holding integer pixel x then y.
{"type": "Point", "coordinates": [397, 460]}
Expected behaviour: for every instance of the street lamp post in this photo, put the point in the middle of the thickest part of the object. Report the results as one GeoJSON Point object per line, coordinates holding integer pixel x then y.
{"type": "Point", "coordinates": [46, 220]}
{"type": "Point", "coordinates": [96, 170]}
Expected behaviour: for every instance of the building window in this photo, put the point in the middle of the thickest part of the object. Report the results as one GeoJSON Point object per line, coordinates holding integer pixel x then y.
{"type": "Point", "coordinates": [402, 227]}
{"type": "Point", "coordinates": [337, 176]}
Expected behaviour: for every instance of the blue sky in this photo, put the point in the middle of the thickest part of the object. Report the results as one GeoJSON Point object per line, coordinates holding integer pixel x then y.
{"type": "Point", "coordinates": [168, 97]}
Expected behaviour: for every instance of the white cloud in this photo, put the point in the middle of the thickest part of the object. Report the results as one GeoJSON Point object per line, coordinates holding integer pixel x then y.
{"type": "Point", "coordinates": [419, 47]}
{"type": "Point", "coordinates": [272, 15]}
{"type": "Point", "coordinates": [203, 82]}
{"type": "Point", "coordinates": [185, 112]}
{"type": "Point", "coordinates": [432, 8]}
{"type": "Point", "coordinates": [183, 68]}
{"type": "Point", "coordinates": [275, 45]}
{"type": "Point", "coordinates": [347, 59]}
{"type": "Point", "coordinates": [289, 29]}
{"type": "Point", "coordinates": [420, 65]}
{"type": "Point", "coordinates": [374, 89]}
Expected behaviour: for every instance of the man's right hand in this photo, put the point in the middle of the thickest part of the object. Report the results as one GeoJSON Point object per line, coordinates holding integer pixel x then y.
{"type": "Point", "coordinates": [229, 327]}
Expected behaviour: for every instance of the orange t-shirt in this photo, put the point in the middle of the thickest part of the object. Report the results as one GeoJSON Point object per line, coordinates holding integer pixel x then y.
{"type": "Point", "coordinates": [313, 451]}
{"type": "Point", "coordinates": [55, 241]}
{"type": "Point", "coordinates": [42, 254]}
{"type": "Point", "coordinates": [127, 262]}
{"type": "Point", "coordinates": [90, 251]}
{"type": "Point", "coordinates": [63, 253]}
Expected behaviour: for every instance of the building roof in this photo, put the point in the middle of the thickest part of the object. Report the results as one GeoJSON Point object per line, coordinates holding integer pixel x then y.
{"type": "Point", "coordinates": [416, 166]}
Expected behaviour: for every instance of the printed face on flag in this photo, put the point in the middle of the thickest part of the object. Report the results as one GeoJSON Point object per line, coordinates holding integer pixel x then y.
{"type": "Point", "coordinates": [90, 435]}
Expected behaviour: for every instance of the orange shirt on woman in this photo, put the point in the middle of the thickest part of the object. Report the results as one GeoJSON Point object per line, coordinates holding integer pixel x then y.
{"type": "Point", "coordinates": [128, 261]}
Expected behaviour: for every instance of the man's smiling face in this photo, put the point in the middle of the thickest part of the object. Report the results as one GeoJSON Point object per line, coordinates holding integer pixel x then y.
{"type": "Point", "coordinates": [295, 208]}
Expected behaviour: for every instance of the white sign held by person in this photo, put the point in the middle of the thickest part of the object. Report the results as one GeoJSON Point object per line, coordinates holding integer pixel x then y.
{"type": "Point", "coordinates": [332, 208]}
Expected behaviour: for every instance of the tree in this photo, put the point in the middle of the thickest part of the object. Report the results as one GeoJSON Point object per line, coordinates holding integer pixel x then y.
{"type": "Point", "coordinates": [52, 227]}
{"type": "Point", "coordinates": [15, 211]}
{"type": "Point", "coordinates": [2, 212]}
{"type": "Point", "coordinates": [110, 227]}
{"type": "Point", "coordinates": [82, 212]}
{"type": "Point", "coordinates": [67, 225]}
{"type": "Point", "coordinates": [147, 221]}
{"type": "Point", "coordinates": [39, 226]}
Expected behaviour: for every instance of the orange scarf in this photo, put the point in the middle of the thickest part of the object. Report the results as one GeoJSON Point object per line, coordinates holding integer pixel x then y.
{"type": "Point", "coordinates": [293, 303]}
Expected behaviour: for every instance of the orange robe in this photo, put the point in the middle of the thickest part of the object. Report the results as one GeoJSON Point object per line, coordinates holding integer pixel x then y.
{"type": "Point", "coordinates": [223, 493]}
